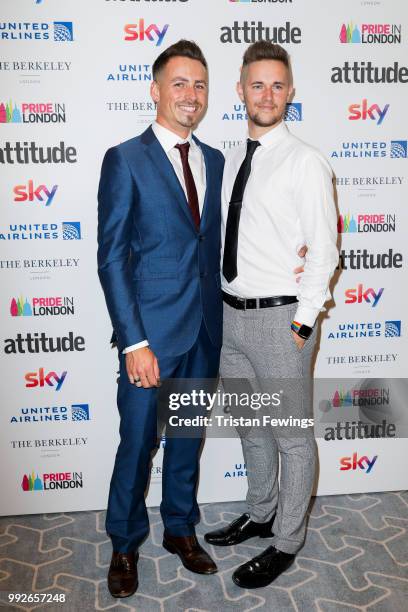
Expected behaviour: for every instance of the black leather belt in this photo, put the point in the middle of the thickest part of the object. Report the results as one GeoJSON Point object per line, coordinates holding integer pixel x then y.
{"type": "Point", "coordinates": [252, 303]}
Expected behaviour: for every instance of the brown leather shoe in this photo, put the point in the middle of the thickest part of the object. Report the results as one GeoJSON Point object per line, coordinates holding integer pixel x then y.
{"type": "Point", "coordinates": [122, 575]}
{"type": "Point", "coordinates": [192, 555]}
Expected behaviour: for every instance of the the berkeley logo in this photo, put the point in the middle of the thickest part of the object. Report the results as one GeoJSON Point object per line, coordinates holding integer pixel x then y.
{"type": "Point", "coordinates": [138, 31]}
{"type": "Point", "coordinates": [354, 462]}
{"type": "Point", "coordinates": [31, 193]}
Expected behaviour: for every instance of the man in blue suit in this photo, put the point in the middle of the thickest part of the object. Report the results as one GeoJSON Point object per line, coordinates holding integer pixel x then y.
{"type": "Point", "coordinates": [159, 266]}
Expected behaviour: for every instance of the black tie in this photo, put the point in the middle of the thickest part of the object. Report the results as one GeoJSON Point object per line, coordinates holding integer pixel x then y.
{"type": "Point", "coordinates": [229, 264]}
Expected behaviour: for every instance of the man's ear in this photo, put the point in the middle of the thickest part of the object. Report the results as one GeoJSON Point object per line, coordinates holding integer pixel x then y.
{"type": "Point", "coordinates": [240, 91]}
{"type": "Point", "coordinates": [291, 94]}
{"type": "Point", "coordinates": [155, 91]}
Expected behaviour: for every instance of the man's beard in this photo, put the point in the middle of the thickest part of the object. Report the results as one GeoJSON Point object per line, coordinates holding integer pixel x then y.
{"type": "Point", "coordinates": [256, 120]}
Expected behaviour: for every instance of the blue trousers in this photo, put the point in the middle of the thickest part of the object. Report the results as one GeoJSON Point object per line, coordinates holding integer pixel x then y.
{"type": "Point", "coordinates": [127, 521]}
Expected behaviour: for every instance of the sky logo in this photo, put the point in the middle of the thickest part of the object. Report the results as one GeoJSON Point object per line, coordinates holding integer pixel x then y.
{"type": "Point", "coordinates": [24, 193]}
{"type": "Point", "coordinates": [398, 148]}
{"type": "Point", "coordinates": [358, 295]}
{"type": "Point", "coordinates": [293, 112]}
{"type": "Point", "coordinates": [352, 463]}
{"type": "Point", "coordinates": [138, 31]}
{"type": "Point", "coordinates": [41, 379]}
{"type": "Point", "coordinates": [71, 230]}
{"type": "Point", "coordinates": [363, 111]}
{"type": "Point", "coordinates": [63, 31]}
{"type": "Point", "coordinates": [80, 412]}
{"type": "Point", "coordinates": [392, 329]}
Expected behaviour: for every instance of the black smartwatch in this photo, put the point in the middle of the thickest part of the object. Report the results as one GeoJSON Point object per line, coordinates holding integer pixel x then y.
{"type": "Point", "coordinates": [303, 331]}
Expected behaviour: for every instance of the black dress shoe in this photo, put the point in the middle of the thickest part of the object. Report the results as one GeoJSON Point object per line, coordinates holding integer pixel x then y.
{"type": "Point", "coordinates": [263, 569]}
{"type": "Point", "coordinates": [192, 555]}
{"type": "Point", "coordinates": [239, 530]}
{"type": "Point", "coordinates": [122, 575]}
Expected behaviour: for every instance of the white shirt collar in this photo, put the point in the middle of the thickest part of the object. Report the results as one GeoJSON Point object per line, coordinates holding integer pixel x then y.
{"type": "Point", "coordinates": [275, 135]}
{"type": "Point", "coordinates": [167, 138]}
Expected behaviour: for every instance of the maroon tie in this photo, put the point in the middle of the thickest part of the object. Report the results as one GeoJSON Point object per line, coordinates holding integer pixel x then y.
{"type": "Point", "coordinates": [190, 184]}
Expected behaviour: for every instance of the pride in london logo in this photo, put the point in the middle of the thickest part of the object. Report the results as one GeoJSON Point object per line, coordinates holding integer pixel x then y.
{"type": "Point", "coordinates": [52, 481]}
{"type": "Point", "coordinates": [370, 33]}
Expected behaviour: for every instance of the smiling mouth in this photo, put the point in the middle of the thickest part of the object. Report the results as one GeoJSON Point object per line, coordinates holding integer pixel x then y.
{"type": "Point", "coordinates": [186, 108]}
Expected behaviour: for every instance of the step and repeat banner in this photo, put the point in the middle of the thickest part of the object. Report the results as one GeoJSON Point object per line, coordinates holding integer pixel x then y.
{"type": "Point", "coordinates": [75, 80]}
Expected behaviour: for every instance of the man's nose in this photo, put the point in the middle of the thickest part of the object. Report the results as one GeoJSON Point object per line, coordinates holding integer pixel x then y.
{"type": "Point", "coordinates": [268, 93]}
{"type": "Point", "coordinates": [191, 92]}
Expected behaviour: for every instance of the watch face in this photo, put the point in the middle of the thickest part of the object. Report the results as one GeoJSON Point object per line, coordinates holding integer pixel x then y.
{"type": "Point", "coordinates": [305, 331]}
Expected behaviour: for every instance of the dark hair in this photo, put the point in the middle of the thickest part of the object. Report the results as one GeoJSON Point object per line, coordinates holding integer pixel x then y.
{"type": "Point", "coordinates": [182, 48]}
{"type": "Point", "coordinates": [265, 50]}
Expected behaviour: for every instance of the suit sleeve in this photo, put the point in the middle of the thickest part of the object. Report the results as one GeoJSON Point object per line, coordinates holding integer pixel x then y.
{"type": "Point", "coordinates": [115, 220]}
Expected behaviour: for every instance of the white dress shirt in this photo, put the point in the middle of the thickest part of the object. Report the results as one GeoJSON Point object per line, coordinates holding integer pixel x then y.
{"type": "Point", "coordinates": [288, 201]}
{"type": "Point", "coordinates": [168, 141]}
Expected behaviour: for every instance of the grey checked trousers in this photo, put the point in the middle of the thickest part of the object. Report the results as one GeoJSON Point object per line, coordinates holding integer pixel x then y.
{"type": "Point", "coordinates": [258, 346]}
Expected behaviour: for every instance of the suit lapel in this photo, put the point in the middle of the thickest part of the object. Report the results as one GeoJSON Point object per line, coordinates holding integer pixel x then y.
{"type": "Point", "coordinates": [208, 179]}
{"type": "Point", "coordinates": [164, 167]}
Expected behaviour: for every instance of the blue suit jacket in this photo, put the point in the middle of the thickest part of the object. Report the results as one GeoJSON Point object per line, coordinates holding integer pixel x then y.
{"type": "Point", "coordinates": [160, 276]}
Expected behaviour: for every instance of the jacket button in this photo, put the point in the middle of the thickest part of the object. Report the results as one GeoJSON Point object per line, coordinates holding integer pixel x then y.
{"type": "Point", "coordinates": [203, 274]}
{"type": "Point", "coordinates": [201, 237]}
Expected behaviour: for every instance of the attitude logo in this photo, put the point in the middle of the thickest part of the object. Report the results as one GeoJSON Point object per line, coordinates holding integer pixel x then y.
{"type": "Point", "coordinates": [138, 31]}
{"type": "Point", "coordinates": [293, 113]}
{"type": "Point", "coordinates": [69, 230]}
{"type": "Point", "coordinates": [366, 223]}
{"type": "Point", "coordinates": [371, 33]}
{"type": "Point", "coordinates": [52, 414]}
{"type": "Point", "coordinates": [353, 463]}
{"type": "Point", "coordinates": [42, 307]}
{"type": "Point", "coordinates": [252, 31]}
{"type": "Point", "coordinates": [40, 379]}
{"type": "Point", "coordinates": [239, 471]}
{"type": "Point", "coordinates": [363, 111]}
{"type": "Point", "coordinates": [31, 153]}
{"type": "Point", "coordinates": [358, 295]}
{"type": "Point", "coordinates": [30, 193]}
{"type": "Point", "coordinates": [52, 481]}
{"type": "Point", "coordinates": [361, 259]}
{"type": "Point", "coordinates": [58, 31]}
{"type": "Point", "coordinates": [372, 329]}
{"type": "Point", "coordinates": [43, 112]}
{"type": "Point", "coordinates": [371, 149]}
{"type": "Point", "coordinates": [39, 342]}
{"type": "Point", "coordinates": [367, 72]}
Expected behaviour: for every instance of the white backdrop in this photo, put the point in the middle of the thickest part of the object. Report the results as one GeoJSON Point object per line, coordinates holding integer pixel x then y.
{"type": "Point", "coordinates": [90, 90]}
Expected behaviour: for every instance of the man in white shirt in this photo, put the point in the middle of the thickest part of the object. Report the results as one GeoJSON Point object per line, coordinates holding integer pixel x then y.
{"type": "Point", "coordinates": [277, 194]}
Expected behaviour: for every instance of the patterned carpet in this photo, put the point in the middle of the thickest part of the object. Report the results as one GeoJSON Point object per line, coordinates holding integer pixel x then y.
{"type": "Point", "coordinates": [355, 558]}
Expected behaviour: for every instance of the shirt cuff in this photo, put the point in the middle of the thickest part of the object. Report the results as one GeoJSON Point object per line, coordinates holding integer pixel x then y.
{"type": "Point", "coordinates": [306, 315]}
{"type": "Point", "coordinates": [139, 345]}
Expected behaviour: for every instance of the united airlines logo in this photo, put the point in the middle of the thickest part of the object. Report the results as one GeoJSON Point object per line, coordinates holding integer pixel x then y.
{"type": "Point", "coordinates": [63, 31]}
